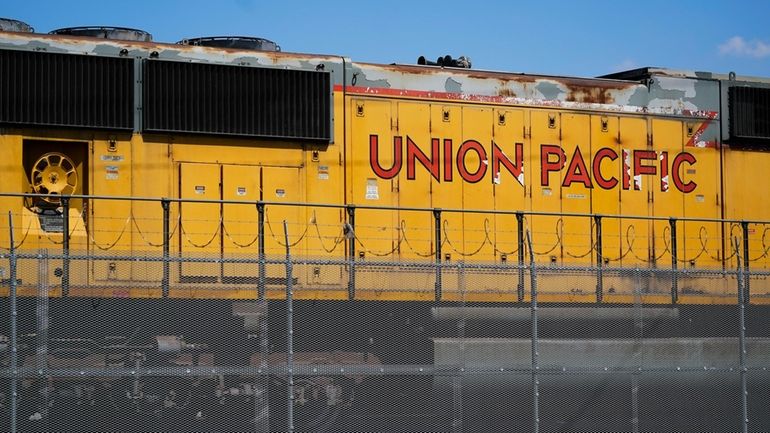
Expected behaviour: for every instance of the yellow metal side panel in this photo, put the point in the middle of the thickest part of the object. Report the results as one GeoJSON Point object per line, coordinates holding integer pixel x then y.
{"type": "Point", "coordinates": [702, 240]}
{"type": "Point", "coordinates": [199, 222]}
{"type": "Point", "coordinates": [282, 185]}
{"type": "Point", "coordinates": [446, 124]}
{"type": "Point", "coordinates": [508, 133]}
{"type": "Point", "coordinates": [414, 189]}
{"type": "Point", "coordinates": [12, 179]}
{"type": "Point", "coordinates": [324, 184]}
{"type": "Point", "coordinates": [635, 233]}
{"type": "Point", "coordinates": [545, 196]}
{"type": "Point", "coordinates": [110, 222]}
{"type": "Point", "coordinates": [378, 231]}
{"type": "Point", "coordinates": [225, 150]}
{"type": "Point", "coordinates": [240, 227]}
{"type": "Point", "coordinates": [667, 137]}
{"type": "Point", "coordinates": [744, 199]}
{"type": "Point", "coordinates": [152, 172]}
{"type": "Point", "coordinates": [576, 232]}
{"type": "Point", "coordinates": [477, 194]}
{"type": "Point", "coordinates": [605, 198]}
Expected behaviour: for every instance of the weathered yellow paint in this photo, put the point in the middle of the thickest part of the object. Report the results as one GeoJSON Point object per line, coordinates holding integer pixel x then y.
{"type": "Point", "coordinates": [341, 173]}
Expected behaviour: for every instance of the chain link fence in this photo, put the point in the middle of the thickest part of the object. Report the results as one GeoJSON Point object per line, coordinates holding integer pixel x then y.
{"type": "Point", "coordinates": [348, 320]}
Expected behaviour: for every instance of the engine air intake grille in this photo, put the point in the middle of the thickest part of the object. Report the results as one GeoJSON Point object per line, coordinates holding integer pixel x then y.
{"type": "Point", "coordinates": [749, 115]}
{"type": "Point", "coordinates": [66, 90]}
{"type": "Point", "coordinates": [236, 100]}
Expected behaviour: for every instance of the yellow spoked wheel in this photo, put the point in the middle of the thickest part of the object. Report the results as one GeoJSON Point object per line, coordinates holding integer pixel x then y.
{"type": "Point", "coordinates": [54, 173]}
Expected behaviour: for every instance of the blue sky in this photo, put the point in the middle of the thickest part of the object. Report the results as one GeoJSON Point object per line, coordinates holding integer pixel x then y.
{"type": "Point", "coordinates": [573, 38]}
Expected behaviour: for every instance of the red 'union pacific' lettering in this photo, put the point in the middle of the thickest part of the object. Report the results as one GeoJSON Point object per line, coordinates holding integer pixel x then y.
{"type": "Point", "coordinates": [574, 168]}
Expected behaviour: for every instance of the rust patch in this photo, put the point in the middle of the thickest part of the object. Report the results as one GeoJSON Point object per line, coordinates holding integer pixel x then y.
{"type": "Point", "coordinates": [506, 93]}
{"type": "Point", "coordinates": [593, 95]}
{"type": "Point", "coordinates": [160, 46]}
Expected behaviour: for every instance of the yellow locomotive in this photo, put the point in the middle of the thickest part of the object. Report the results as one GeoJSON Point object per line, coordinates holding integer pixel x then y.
{"type": "Point", "coordinates": [205, 123]}
{"type": "Point", "coordinates": [178, 182]}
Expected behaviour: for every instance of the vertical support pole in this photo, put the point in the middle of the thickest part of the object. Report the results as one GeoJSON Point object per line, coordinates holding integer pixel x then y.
{"type": "Point", "coordinates": [65, 276]}
{"type": "Point", "coordinates": [14, 312]}
{"type": "Point", "coordinates": [437, 229]}
{"type": "Point", "coordinates": [535, 342]}
{"type": "Point", "coordinates": [289, 333]}
{"type": "Point", "coordinates": [599, 260]}
{"type": "Point", "coordinates": [262, 405]}
{"type": "Point", "coordinates": [742, 278]}
{"type": "Point", "coordinates": [457, 379]}
{"type": "Point", "coordinates": [637, 356]}
{"type": "Point", "coordinates": [42, 313]}
{"type": "Point", "coordinates": [520, 234]}
{"type": "Point", "coordinates": [674, 263]}
{"type": "Point", "coordinates": [746, 275]}
{"type": "Point", "coordinates": [261, 247]}
{"type": "Point", "coordinates": [166, 204]}
{"type": "Point", "coordinates": [351, 209]}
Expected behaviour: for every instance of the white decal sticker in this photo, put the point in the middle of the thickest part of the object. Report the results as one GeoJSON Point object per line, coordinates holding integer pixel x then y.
{"type": "Point", "coordinates": [240, 191]}
{"type": "Point", "coordinates": [323, 172]}
{"type": "Point", "coordinates": [111, 172]}
{"type": "Point", "coordinates": [112, 158]}
{"type": "Point", "coordinates": [372, 191]}
{"type": "Point", "coordinates": [200, 189]}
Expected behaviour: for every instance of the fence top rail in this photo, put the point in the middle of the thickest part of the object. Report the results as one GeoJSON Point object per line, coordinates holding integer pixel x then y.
{"type": "Point", "coordinates": [385, 208]}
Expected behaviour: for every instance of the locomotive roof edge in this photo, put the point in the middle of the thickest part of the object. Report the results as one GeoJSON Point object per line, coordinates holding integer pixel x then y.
{"type": "Point", "coordinates": [647, 90]}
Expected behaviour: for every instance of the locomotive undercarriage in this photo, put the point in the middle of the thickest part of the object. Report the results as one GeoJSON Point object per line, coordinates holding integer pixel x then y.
{"type": "Point", "coordinates": [199, 365]}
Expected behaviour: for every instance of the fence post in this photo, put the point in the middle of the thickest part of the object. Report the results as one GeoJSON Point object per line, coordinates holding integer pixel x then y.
{"type": "Point", "coordinates": [742, 278]}
{"type": "Point", "coordinates": [14, 318]}
{"type": "Point", "coordinates": [289, 332]}
{"type": "Point", "coordinates": [520, 237]}
{"type": "Point", "coordinates": [65, 276]}
{"type": "Point", "coordinates": [261, 248]}
{"type": "Point", "coordinates": [535, 348]}
{"type": "Point", "coordinates": [351, 209]}
{"type": "Point", "coordinates": [746, 276]}
{"type": "Point", "coordinates": [599, 260]}
{"type": "Point", "coordinates": [262, 405]}
{"type": "Point", "coordinates": [674, 263]}
{"type": "Point", "coordinates": [437, 227]}
{"type": "Point", "coordinates": [166, 204]}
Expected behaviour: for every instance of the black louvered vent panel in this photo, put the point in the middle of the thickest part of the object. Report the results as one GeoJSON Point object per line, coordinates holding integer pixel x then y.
{"type": "Point", "coordinates": [47, 89]}
{"type": "Point", "coordinates": [749, 114]}
{"type": "Point", "coordinates": [235, 100]}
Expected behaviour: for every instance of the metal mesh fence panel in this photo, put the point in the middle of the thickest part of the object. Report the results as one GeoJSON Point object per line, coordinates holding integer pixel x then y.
{"type": "Point", "coordinates": [341, 320]}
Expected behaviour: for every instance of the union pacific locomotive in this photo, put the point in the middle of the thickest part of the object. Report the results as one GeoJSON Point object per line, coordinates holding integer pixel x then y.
{"type": "Point", "coordinates": [153, 192]}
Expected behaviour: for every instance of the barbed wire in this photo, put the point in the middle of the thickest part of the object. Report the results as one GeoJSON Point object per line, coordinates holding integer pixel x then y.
{"type": "Point", "coordinates": [408, 244]}
{"type": "Point", "coordinates": [337, 240]}
{"type": "Point", "coordinates": [764, 246]}
{"type": "Point", "coordinates": [278, 241]}
{"type": "Point", "coordinates": [228, 236]}
{"type": "Point", "coordinates": [23, 238]}
{"type": "Point", "coordinates": [558, 238]}
{"type": "Point", "coordinates": [112, 245]}
{"type": "Point", "coordinates": [203, 245]}
{"type": "Point", "coordinates": [170, 235]}
{"type": "Point", "coordinates": [461, 253]}
{"type": "Point", "coordinates": [494, 244]}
